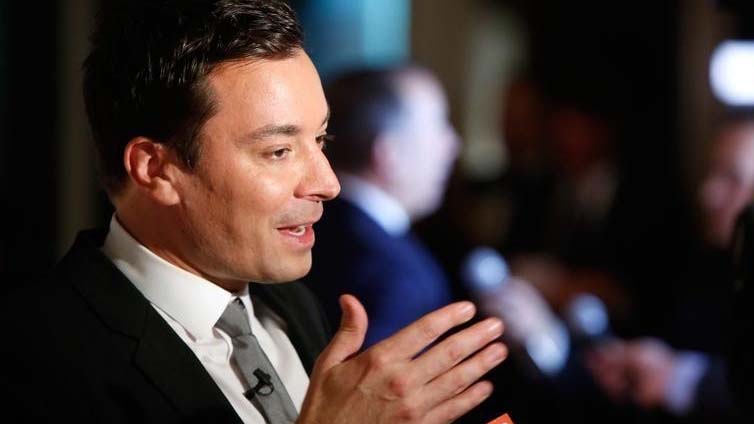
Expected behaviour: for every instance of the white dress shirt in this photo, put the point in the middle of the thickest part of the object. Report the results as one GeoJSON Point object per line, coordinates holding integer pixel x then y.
{"type": "Point", "coordinates": [192, 305]}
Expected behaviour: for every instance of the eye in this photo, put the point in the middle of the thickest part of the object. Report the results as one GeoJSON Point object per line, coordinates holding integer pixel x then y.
{"type": "Point", "coordinates": [281, 153]}
{"type": "Point", "coordinates": [323, 139]}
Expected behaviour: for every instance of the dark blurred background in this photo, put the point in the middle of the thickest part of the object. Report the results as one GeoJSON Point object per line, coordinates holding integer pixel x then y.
{"type": "Point", "coordinates": [544, 85]}
{"type": "Point", "coordinates": [644, 62]}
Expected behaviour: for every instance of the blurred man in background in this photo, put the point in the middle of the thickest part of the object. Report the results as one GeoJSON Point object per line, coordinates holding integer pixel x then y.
{"type": "Point", "coordinates": [393, 151]}
{"type": "Point", "coordinates": [729, 183]}
{"type": "Point", "coordinates": [690, 381]}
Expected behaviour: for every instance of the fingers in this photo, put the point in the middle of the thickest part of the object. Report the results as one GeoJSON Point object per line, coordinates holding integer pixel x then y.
{"type": "Point", "coordinates": [405, 344]}
{"type": "Point", "coordinates": [456, 348]}
{"type": "Point", "coordinates": [609, 367]}
{"type": "Point", "coordinates": [349, 337]}
{"type": "Point", "coordinates": [454, 408]}
{"type": "Point", "coordinates": [650, 363]}
{"type": "Point", "coordinates": [388, 385]}
{"type": "Point", "coordinates": [464, 375]}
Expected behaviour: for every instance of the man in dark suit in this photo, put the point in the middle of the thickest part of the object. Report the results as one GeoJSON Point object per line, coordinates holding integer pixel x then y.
{"type": "Point", "coordinates": [209, 121]}
{"type": "Point", "coordinates": [741, 355]}
{"type": "Point", "coordinates": [393, 151]}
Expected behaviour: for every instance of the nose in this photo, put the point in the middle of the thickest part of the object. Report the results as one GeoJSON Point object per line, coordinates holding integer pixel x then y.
{"type": "Point", "coordinates": [319, 182]}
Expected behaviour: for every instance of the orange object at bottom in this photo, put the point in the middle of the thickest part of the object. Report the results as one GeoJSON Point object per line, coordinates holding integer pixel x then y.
{"type": "Point", "coordinates": [504, 419]}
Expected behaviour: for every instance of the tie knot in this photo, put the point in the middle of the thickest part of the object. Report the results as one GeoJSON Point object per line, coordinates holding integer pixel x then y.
{"type": "Point", "coordinates": [234, 320]}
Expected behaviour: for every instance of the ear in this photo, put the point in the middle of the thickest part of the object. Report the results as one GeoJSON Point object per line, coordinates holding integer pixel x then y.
{"type": "Point", "coordinates": [384, 156]}
{"type": "Point", "coordinates": [151, 168]}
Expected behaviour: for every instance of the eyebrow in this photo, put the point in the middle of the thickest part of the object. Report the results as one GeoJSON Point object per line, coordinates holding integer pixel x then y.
{"type": "Point", "coordinates": [286, 130]}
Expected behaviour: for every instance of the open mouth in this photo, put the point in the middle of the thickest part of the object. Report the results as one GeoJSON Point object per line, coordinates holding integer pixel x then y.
{"type": "Point", "coordinates": [296, 231]}
{"type": "Point", "coordinates": [299, 233]}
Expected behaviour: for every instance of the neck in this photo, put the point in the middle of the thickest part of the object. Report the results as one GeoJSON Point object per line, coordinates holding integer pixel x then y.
{"type": "Point", "coordinates": [162, 237]}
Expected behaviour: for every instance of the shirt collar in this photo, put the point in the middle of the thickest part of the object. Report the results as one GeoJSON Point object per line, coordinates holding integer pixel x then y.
{"type": "Point", "coordinates": [194, 302]}
{"type": "Point", "coordinates": [376, 203]}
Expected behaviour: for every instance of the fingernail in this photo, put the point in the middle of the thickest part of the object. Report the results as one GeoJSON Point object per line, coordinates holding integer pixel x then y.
{"type": "Point", "coordinates": [485, 390]}
{"type": "Point", "coordinates": [494, 326]}
{"type": "Point", "coordinates": [496, 354]}
{"type": "Point", "coordinates": [466, 308]}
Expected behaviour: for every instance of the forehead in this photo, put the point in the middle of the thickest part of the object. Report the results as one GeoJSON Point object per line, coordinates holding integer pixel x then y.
{"type": "Point", "coordinates": [268, 91]}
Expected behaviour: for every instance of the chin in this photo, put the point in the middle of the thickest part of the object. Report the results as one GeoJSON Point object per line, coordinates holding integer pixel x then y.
{"type": "Point", "coordinates": [289, 270]}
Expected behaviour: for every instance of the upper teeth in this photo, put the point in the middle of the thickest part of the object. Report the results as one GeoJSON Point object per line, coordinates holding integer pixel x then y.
{"type": "Point", "coordinates": [298, 231]}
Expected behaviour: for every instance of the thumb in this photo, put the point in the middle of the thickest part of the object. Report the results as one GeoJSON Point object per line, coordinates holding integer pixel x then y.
{"type": "Point", "coordinates": [349, 337]}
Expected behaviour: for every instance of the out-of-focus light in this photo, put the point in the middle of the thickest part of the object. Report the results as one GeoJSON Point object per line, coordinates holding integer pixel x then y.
{"type": "Point", "coordinates": [484, 270]}
{"type": "Point", "coordinates": [587, 316]}
{"type": "Point", "coordinates": [732, 72]}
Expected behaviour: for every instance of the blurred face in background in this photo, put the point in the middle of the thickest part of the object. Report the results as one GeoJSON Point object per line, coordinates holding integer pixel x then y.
{"type": "Point", "coordinates": [523, 126]}
{"type": "Point", "coordinates": [423, 147]}
{"type": "Point", "coordinates": [729, 183]}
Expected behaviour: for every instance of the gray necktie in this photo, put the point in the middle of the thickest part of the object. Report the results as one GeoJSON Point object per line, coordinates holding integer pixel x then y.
{"type": "Point", "coordinates": [263, 386]}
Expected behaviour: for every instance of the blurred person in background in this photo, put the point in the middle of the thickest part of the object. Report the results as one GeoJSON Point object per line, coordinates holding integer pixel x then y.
{"type": "Point", "coordinates": [685, 372]}
{"type": "Point", "coordinates": [550, 211]}
{"type": "Point", "coordinates": [591, 199]}
{"type": "Point", "coordinates": [562, 185]}
{"type": "Point", "coordinates": [540, 214]}
{"type": "Point", "coordinates": [393, 150]}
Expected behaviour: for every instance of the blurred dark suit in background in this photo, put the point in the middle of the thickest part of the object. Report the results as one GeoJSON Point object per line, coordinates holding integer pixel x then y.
{"type": "Point", "coordinates": [394, 276]}
{"type": "Point", "coordinates": [392, 150]}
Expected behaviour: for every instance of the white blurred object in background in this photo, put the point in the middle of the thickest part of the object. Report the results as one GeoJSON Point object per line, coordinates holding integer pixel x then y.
{"type": "Point", "coordinates": [732, 72]}
{"type": "Point", "coordinates": [530, 323]}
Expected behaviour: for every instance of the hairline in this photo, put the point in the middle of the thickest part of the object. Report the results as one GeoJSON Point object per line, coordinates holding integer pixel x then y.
{"type": "Point", "coordinates": [203, 89]}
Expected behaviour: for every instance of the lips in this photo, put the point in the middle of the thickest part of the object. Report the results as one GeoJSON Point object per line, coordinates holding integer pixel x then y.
{"type": "Point", "coordinates": [299, 234]}
{"type": "Point", "coordinates": [296, 231]}
{"type": "Point", "coordinates": [297, 226]}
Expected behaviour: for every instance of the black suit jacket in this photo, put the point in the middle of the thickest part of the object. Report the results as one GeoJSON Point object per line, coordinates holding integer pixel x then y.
{"type": "Point", "coordinates": [86, 346]}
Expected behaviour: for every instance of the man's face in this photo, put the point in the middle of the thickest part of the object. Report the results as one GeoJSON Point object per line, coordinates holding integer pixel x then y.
{"type": "Point", "coordinates": [248, 207]}
{"type": "Point", "coordinates": [729, 184]}
{"type": "Point", "coordinates": [427, 145]}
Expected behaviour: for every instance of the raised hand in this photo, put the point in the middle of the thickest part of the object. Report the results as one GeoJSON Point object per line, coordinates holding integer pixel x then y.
{"type": "Point", "coordinates": [397, 381]}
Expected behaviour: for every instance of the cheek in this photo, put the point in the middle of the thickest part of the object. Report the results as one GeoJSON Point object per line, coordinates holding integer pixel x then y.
{"type": "Point", "coordinates": [231, 205]}
{"type": "Point", "coordinates": [713, 194]}
{"type": "Point", "coordinates": [264, 198]}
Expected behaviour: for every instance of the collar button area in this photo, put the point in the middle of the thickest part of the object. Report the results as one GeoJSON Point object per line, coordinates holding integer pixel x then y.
{"type": "Point", "coordinates": [214, 350]}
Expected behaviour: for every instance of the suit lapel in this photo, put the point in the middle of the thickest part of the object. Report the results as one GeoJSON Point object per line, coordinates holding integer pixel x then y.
{"type": "Point", "coordinates": [160, 354]}
{"type": "Point", "coordinates": [173, 368]}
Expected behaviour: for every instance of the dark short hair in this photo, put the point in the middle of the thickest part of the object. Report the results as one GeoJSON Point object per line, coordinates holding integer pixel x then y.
{"type": "Point", "coordinates": [363, 103]}
{"type": "Point", "coordinates": [146, 72]}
